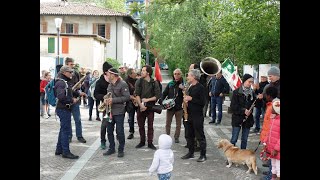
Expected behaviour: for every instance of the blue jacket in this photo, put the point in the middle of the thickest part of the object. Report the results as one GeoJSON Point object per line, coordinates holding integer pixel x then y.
{"type": "Point", "coordinates": [218, 86]}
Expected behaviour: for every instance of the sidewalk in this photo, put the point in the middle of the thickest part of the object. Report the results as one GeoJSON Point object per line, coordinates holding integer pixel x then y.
{"type": "Point", "coordinates": [134, 165]}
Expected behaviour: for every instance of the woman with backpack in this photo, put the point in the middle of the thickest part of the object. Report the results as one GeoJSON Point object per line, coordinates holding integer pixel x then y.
{"type": "Point", "coordinates": [92, 84]}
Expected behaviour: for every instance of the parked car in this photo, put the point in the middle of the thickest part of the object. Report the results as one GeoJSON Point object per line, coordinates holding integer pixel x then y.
{"type": "Point", "coordinates": [164, 66]}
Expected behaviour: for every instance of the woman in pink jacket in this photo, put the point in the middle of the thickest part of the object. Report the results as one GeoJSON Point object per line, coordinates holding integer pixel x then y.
{"type": "Point", "coordinates": [272, 140]}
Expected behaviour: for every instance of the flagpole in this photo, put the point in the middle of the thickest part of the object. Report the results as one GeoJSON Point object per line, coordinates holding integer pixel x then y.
{"type": "Point", "coordinates": [58, 22]}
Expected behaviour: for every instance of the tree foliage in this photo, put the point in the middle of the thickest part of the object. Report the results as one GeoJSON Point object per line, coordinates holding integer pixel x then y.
{"type": "Point", "coordinates": [117, 5]}
{"type": "Point", "coordinates": [186, 31]}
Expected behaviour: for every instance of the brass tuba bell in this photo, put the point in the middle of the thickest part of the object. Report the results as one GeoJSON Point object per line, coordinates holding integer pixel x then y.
{"type": "Point", "coordinates": [210, 66]}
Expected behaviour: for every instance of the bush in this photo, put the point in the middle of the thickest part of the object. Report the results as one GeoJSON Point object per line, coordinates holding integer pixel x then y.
{"type": "Point", "coordinates": [113, 62]}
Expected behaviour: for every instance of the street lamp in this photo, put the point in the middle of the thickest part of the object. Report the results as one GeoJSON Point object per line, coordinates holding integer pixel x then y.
{"type": "Point", "coordinates": [58, 22]}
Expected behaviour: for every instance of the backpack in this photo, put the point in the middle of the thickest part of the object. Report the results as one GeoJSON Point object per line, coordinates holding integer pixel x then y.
{"type": "Point", "coordinates": [50, 93]}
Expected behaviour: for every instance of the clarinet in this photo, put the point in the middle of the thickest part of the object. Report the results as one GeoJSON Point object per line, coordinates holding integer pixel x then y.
{"type": "Point", "coordinates": [250, 109]}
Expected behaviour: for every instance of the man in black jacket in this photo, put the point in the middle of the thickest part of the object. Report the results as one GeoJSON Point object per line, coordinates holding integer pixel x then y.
{"type": "Point", "coordinates": [131, 81]}
{"type": "Point", "coordinates": [99, 92]}
{"type": "Point", "coordinates": [218, 88]}
{"type": "Point", "coordinates": [195, 101]}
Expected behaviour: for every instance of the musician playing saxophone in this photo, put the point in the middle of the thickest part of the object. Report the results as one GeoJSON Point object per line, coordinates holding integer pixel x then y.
{"type": "Point", "coordinates": [196, 101]}
{"type": "Point", "coordinates": [75, 109]}
{"type": "Point", "coordinates": [242, 99]}
{"type": "Point", "coordinates": [120, 95]}
{"type": "Point", "coordinates": [131, 81]}
{"type": "Point", "coordinates": [174, 90]}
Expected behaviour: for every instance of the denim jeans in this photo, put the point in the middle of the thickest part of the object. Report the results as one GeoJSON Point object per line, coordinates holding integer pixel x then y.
{"type": "Point", "coordinates": [75, 110]}
{"type": "Point", "coordinates": [216, 100]}
{"type": "Point", "coordinates": [165, 176]}
{"type": "Point", "coordinates": [269, 176]}
{"type": "Point", "coordinates": [91, 103]}
{"type": "Point", "coordinates": [131, 121]}
{"type": "Point", "coordinates": [65, 126]}
{"type": "Point", "coordinates": [244, 136]}
{"type": "Point", "coordinates": [118, 120]}
{"type": "Point", "coordinates": [258, 112]}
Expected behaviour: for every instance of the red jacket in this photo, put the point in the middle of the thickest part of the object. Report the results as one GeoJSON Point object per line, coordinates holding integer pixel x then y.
{"type": "Point", "coordinates": [273, 137]}
{"type": "Point", "coordinates": [43, 84]}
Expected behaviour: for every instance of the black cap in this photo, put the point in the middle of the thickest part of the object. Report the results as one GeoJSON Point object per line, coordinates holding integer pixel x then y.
{"type": "Point", "coordinates": [246, 77]}
{"type": "Point", "coordinates": [106, 66]}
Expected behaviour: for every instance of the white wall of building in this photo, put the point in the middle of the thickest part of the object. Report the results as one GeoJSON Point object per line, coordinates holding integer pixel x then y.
{"type": "Point", "coordinates": [119, 47]}
{"type": "Point", "coordinates": [86, 51]}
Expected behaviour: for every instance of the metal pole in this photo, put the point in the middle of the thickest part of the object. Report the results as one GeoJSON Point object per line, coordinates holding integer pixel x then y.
{"type": "Point", "coordinates": [58, 45]}
{"type": "Point", "coordinates": [147, 57]}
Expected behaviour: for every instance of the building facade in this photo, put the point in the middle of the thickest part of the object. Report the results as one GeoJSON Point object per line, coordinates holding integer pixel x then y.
{"type": "Point", "coordinates": [89, 34]}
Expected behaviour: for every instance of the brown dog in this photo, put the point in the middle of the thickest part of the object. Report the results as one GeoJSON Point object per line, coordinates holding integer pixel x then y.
{"type": "Point", "coordinates": [238, 156]}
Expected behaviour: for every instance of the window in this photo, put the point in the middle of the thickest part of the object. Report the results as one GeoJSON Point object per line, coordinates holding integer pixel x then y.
{"type": "Point", "coordinates": [69, 28]}
{"type": "Point", "coordinates": [102, 30]}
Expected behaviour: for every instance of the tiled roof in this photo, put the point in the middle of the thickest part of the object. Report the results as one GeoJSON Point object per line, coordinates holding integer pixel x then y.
{"type": "Point", "coordinates": [86, 9]}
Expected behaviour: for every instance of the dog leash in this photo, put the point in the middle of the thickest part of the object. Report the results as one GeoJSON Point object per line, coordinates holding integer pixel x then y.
{"type": "Point", "coordinates": [257, 147]}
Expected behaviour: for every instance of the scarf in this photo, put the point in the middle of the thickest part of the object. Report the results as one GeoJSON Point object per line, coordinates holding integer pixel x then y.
{"type": "Point", "coordinates": [247, 91]}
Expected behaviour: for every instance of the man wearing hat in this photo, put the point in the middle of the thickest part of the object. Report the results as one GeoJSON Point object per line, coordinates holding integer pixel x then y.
{"type": "Point", "coordinates": [100, 91]}
{"type": "Point", "coordinates": [120, 95]}
{"type": "Point", "coordinates": [65, 102]}
{"type": "Point", "coordinates": [242, 99]}
{"type": "Point", "coordinates": [260, 104]}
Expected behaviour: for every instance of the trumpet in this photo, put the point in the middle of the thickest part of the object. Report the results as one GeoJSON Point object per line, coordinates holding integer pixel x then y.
{"type": "Point", "coordinates": [105, 107]}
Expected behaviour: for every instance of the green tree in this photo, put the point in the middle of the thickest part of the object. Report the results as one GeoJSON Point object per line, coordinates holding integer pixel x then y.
{"type": "Point", "coordinates": [117, 5]}
{"type": "Point", "coordinates": [113, 62]}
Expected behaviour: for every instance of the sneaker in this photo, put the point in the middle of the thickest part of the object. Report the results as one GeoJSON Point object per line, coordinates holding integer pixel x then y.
{"type": "Point", "coordinates": [211, 122]}
{"type": "Point", "coordinates": [202, 158]}
{"type": "Point", "coordinates": [188, 156]}
{"type": "Point", "coordinates": [109, 152]}
{"type": "Point", "coordinates": [98, 119]}
{"type": "Point", "coordinates": [120, 154]}
{"type": "Point", "coordinates": [176, 140]}
{"type": "Point", "coordinates": [57, 153]}
{"type": "Point", "coordinates": [70, 156]}
{"type": "Point", "coordinates": [130, 136]}
{"type": "Point", "coordinates": [151, 146]}
{"type": "Point", "coordinates": [82, 140]}
{"type": "Point", "coordinates": [140, 145]}
{"type": "Point", "coordinates": [103, 146]}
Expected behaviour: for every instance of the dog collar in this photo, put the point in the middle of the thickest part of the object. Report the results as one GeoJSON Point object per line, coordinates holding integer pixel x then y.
{"type": "Point", "coordinates": [227, 148]}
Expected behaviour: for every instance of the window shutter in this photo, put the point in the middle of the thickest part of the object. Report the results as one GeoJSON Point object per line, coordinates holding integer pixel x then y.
{"type": "Point", "coordinates": [76, 28]}
{"type": "Point", "coordinates": [107, 26]}
{"type": "Point", "coordinates": [63, 28]}
{"type": "Point", "coordinates": [44, 27]}
{"type": "Point", "coordinates": [94, 28]}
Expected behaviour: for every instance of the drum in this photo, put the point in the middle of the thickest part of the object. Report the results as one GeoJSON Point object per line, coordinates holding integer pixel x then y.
{"type": "Point", "coordinates": [168, 103]}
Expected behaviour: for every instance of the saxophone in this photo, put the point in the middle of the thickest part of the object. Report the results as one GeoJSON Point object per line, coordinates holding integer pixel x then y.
{"type": "Point", "coordinates": [105, 107]}
{"type": "Point", "coordinates": [78, 84]}
{"type": "Point", "coordinates": [185, 105]}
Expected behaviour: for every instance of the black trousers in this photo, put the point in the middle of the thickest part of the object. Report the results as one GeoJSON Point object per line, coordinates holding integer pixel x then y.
{"type": "Point", "coordinates": [194, 128]}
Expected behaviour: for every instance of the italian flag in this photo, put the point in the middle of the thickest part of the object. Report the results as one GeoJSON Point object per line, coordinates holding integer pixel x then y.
{"type": "Point", "coordinates": [53, 44]}
{"type": "Point", "coordinates": [230, 73]}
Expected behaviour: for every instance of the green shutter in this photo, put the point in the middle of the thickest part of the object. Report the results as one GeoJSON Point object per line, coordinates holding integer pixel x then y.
{"type": "Point", "coordinates": [51, 45]}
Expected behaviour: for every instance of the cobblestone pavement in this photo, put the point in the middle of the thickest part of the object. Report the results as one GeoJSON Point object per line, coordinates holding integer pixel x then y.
{"type": "Point", "coordinates": [134, 165]}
